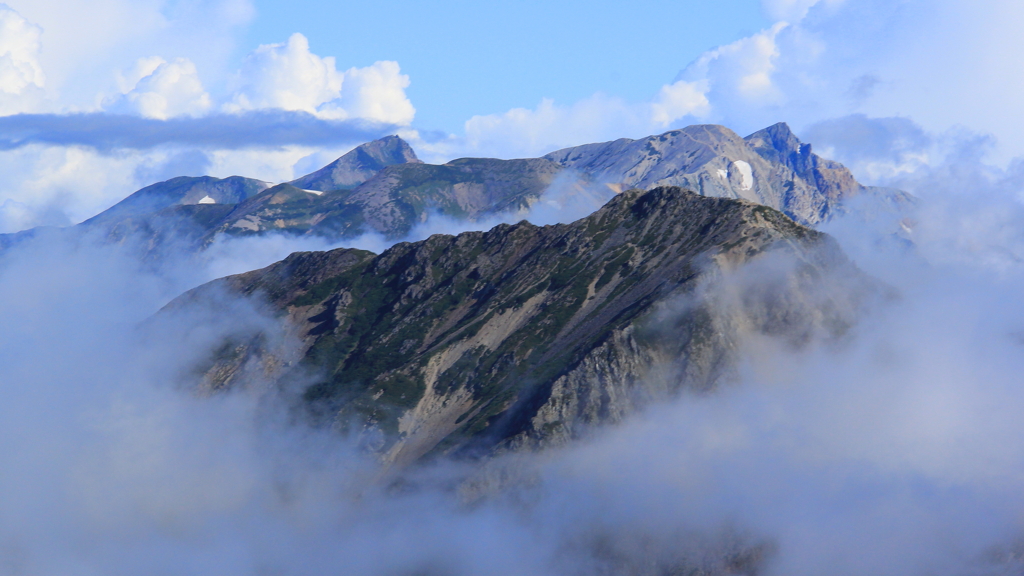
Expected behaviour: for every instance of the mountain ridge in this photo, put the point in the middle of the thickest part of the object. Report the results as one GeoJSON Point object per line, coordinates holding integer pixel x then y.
{"type": "Point", "coordinates": [523, 335]}
{"type": "Point", "coordinates": [382, 187]}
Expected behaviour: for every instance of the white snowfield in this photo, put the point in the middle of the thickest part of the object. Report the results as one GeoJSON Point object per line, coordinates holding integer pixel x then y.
{"type": "Point", "coordinates": [313, 192]}
{"type": "Point", "coordinates": [746, 172]}
{"type": "Point", "coordinates": [723, 174]}
{"type": "Point", "coordinates": [207, 200]}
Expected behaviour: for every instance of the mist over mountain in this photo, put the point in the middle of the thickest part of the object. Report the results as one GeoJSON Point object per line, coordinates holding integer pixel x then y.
{"type": "Point", "coordinates": [527, 336]}
{"type": "Point", "coordinates": [659, 372]}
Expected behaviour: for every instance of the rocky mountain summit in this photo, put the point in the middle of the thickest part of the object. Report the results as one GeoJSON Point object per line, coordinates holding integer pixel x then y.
{"type": "Point", "coordinates": [359, 165]}
{"type": "Point", "coordinates": [770, 167]}
{"type": "Point", "coordinates": [523, 336]}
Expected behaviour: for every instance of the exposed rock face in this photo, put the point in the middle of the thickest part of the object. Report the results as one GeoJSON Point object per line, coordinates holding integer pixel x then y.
{"type": "Point", "coordinates": [359, 165]}
{"type": "Point", "coordinates": [770, 167]}
{"type": "Point", "coordinates": [525, 335]}
{"type": "Point", "coordinates": [395, 199]}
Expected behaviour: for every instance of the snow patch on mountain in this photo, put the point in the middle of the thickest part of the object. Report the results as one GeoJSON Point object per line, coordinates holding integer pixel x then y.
{"type": "Point", "coordinates": [746, 173]}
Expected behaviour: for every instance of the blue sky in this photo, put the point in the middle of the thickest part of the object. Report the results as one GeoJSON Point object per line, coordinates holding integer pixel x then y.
{"type": "Point", "coordinates": [467, 57]}
{"type": "Point", "coordinates": [101, 97]}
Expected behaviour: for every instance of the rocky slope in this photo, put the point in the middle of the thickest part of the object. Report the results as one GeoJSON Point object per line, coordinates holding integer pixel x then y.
{"type": "Point", "coordinates": [770, 167]}
{"type": "Point", "coordinates": [181, 191]}
{"type": "Point", "coordinates": [359, 165]}
{"type": "Point", "coordinates": [396, 198]}
{"type": "Point", "coordinates": [523, 335]}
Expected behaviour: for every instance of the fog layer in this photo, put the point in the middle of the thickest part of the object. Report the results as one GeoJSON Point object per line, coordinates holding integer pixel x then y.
{"type": "Point", "coordinates": [898, 450]}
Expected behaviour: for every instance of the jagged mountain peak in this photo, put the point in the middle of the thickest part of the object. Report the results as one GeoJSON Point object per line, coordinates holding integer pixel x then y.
{"type": "Point", "coordinates": [359, 165]}
{"type": "Point", "coordinates": [771, 167]}
{"type": "Point", "coordinates": [778, 136]}
{"type": "Point", "coordinates": [523, 334]}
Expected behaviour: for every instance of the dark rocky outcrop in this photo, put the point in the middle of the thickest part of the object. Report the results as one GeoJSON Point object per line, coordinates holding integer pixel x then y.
{"type": "Point", "coordinates": [524, 335]}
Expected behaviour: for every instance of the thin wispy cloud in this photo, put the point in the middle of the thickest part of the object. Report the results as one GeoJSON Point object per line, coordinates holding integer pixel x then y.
{"type": "Point", "coordinates": [244, 130]}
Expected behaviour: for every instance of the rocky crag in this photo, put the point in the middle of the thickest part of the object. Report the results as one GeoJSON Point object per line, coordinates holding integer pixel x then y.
{"type": "Point", "coordinates": [523, 336]}
{"type": "Point", "coordinates": [770, 167]}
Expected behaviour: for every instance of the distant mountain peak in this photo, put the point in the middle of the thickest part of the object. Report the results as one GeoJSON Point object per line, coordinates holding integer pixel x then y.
{"type": "Point", "coordinates": [777, 136]}
{"type": "Point", "coordinates": [359, 165]}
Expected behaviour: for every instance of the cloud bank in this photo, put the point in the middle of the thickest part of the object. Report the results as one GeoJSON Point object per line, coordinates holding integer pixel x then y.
{"type": "Point", "coordinates": [894, 451]}
{"type": "Point", "coordinates": [255, 129]}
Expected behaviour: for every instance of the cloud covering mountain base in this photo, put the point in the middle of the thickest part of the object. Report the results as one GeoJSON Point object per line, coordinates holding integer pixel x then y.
{"type": "Point", "coordinates": [896, 450]}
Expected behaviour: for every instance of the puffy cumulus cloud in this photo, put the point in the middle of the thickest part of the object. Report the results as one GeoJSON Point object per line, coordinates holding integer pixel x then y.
{"type": "Point", "coordinates": [21, 76]}
{"type": "Point", "coordinates": [286, 76]}
{"type": "Point", "coordinates": [678, 100]}
{"type": "Point", "coordinates": [289, 76]}
{"type": "Point", "coordinates": [969, 207]}
{"type": "Point", "coordinates": [531, 132]}
{"type": "Point", "coordinates": [377, 93]}
{"type": "Point", "coordinates": [163, 89]}
{"type": "Point", "coordinates": [740, 72]}
{"type": "Point", "coordinates": [84, 41]}
{"type": "Point", "coordinates": [827, 59]}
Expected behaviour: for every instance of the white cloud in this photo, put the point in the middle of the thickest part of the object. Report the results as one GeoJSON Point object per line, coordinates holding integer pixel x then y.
{"type": "Point", "coordinates": [163, 89]}
{"type": "Point", "coordinates": [84, 41]}
{"type": "Point", "coordinates": [21, 76]}
{"type": "Point", "coordinates": [789, 10]}
{"type": "Point", "coordinates": [940, 63]}
{"type": "Point", "coordinates": [741, 72]}
{"type": "Point", "coordinates": [286, 76]}
{"type": "Point", "coordinates": [377, 93]}
{"type": "Point", "coordinates": [677, 100]}
{"type": "Point", "coordinates": [290, 77]}
{"type": "Point", "coordinates": [530, 132]}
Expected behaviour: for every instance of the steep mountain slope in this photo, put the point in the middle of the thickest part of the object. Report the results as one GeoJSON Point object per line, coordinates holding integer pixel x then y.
{"type": "Point", "coordinates": [180, 191]}
{"type": "Point", "coordinates": [770, 167]}
{"type": "Point", "coordinates": [397, 198]}
{"type": "Point", "coordinates": [175, 214]}
{"type": "Point", "coordinates": [778, 144]}
{"type": "Point", "coordinates": [526, 335]}
{"type": "Point", "coordinates": [359, 165]}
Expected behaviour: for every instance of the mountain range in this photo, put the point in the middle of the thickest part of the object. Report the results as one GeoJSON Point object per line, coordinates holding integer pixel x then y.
{"type": "Point", "coordinates": [523, 335]}
{"type": "Point", "coordinates": [382, 187]}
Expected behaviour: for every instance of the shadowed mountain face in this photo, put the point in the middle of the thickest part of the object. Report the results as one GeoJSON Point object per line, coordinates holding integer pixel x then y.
{"type": "Point", "coordinates": [359, 165]}
{"type": "Point", "coordinates": [176, 214]}
{"type": "Point", "coordinates": [523, 336]}
{"type": "Point", "coordinates": [397, 198]}
{"type": "Point", "coordinates": [181, 191]}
